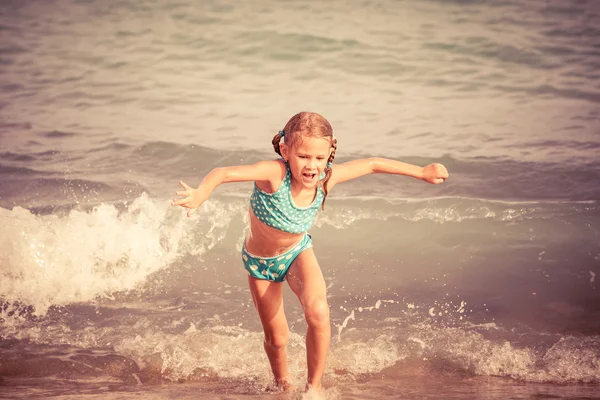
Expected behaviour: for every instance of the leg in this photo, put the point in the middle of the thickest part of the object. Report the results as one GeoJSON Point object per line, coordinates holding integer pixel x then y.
{"type": "Point", "coordinates": [306, 281]}
{"type": "Point", "coordinates": [268, 300]}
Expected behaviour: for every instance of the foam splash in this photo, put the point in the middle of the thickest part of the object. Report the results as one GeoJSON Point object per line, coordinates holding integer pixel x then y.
{"type": "Point", "coordinates": [345, 216]}
{"type": "Point", "coordinates": [226, 352]}
{"type": "Point", "coordinates": [443, 337]}
{"type": "Point", "coordinates": [197, 349]}
{"type": "Point", "coordinates": [365, 356]}
{"type": "Point", "coordinates": [569, 360]}
{"type": "Point", "coordinates": [332, 393]}
{"type": "Point", "coordinates": [349, 211]}
{"type": "Point", "coordinates": [232, 352]}
{"type": "Point", "coordinates": [572, 359]}
{"type": "Point", "coordinates": [56, 260]}
{"type": "Point", "coordinates": [472, 352]}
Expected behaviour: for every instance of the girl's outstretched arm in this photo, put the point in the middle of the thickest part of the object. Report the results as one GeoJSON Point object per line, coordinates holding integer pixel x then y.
{"type": "Point", "coordinates": [433, 173]}
{"type": "Point", "coordinates": [261, 171]}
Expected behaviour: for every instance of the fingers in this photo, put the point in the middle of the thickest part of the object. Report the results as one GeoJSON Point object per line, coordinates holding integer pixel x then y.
{"type": "Point", "coordinates": [183, 193]}
{"type": "Point", "coordinates": [440, 177]}
{"type": "Point", "coordinates": [187, 195]}
{"type": "Point", "coordinates": [181, 202]}
{"type": "Point", "coordinates": [184, 203]}
{"type": "Point", "coordinates": [435, 173]}
{"type": "Point", "coordinates": [443, 172]}
{"type": "Point", "coordinates": [184, 185]}
{"type": "Point", "coordinates": [440, 173]}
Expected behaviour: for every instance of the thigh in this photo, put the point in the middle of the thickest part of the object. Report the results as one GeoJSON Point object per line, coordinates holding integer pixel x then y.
{"type": "Point", "coordinates": [268, 300]}
{"type": "Point", "coordinates": [306, 279]}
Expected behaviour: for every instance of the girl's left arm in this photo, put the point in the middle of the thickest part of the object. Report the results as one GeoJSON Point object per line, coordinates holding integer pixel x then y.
{"type": "Point", "coordinates": [432, 173]}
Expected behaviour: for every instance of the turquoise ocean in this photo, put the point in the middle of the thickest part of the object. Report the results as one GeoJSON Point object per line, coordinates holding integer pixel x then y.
{"type": "Point", "coordinates": [485, 287]}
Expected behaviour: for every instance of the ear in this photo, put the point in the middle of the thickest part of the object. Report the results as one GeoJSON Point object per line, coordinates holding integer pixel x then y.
{"type": "Point", "coordinates": [285, 151]}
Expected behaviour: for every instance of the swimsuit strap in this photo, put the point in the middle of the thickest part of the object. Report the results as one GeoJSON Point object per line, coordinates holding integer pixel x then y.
{"type": "Point", "coordinates": [278, 209]}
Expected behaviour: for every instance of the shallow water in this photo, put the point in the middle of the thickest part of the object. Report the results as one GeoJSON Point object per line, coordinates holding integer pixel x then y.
{"type": "Point", "coordinates": [485, 287]}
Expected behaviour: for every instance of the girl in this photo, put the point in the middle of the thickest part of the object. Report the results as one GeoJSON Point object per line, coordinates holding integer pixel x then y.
{"type": "Point", "coordinates": [287, 194]}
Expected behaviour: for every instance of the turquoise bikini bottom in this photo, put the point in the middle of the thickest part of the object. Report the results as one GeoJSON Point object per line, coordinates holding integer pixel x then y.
{"type": "Point", "coordinates": [274, 268]}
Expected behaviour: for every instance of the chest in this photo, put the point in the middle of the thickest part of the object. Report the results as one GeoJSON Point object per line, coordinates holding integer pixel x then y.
{"type": "Point", "coordinates": [304, 198]}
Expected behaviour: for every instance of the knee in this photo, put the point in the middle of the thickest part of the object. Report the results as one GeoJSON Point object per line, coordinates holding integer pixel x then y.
{"type": "Point", "coordinates": [317, 313]}
{"type": "Point", "coordinates": [276, 340]}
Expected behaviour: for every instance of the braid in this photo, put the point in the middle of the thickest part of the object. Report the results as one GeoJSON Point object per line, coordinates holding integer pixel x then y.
{"type": "Point", "coordinates": [328, 169]}
{"type": "Point", "coordinates": [275, 141]}
{"type": "Point", "coordinates": [334, 147]}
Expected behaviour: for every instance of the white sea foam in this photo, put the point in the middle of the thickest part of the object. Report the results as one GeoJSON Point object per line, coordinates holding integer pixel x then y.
{"type": "Point", "coordinates": [201, 348]}
{"type": "Point", "coordinates": [56, 260]}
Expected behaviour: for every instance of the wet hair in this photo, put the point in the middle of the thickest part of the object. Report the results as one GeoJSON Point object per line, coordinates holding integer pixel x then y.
{"type": "Point", "coordinates": [311, 125]}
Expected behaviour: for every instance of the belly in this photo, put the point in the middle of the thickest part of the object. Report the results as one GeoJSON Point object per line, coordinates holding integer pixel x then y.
{"type": "Point", "coordinates": [266, 241]}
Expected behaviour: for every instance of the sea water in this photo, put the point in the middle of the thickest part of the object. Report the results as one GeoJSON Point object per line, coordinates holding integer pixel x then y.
{"type": "Point", "coordinates": [485, 287]}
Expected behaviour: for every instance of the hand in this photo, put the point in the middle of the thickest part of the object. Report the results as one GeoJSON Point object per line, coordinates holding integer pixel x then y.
{"type": "Point", "coordinates": [434, 173]}
{"type": "Point", "coordinates": [192, 198]}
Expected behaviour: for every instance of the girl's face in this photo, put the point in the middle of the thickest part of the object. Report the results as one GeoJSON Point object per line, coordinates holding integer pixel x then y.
{"type": "Point", "coordinates": [307, 159]}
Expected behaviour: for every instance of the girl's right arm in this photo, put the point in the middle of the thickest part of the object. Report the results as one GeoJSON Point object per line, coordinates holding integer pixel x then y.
{"type": "Point", "coordinates": [261, 171]}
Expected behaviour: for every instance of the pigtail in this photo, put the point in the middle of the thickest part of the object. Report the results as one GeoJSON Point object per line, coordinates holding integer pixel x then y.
{"type": "Point", "coordinates": [328, 169]}
{"type": "Point", "coordinates": [275, 141]}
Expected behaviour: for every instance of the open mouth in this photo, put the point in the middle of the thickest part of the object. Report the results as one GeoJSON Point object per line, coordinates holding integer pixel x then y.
{"type": "Point", "coordinates": [308, 176]}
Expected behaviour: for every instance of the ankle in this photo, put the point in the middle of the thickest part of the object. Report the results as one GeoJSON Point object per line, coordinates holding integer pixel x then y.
{"type": "Point", "coordinates": [284, 384]}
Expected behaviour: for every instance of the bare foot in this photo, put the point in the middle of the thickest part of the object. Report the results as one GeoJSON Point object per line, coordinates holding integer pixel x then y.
{"type": "Point", "coordinates": [282, 385]}
{"type": "Point", "coordinates": [286, 386]}
{"type": "Point", "coordinates": [313, 388]}
{"type": "Point", "coordinates": [317, 392]}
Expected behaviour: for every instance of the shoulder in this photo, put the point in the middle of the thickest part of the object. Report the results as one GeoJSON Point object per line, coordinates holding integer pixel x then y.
{"type": "Point", "coordinates": [272, 166]}
{"type": "Point", "coordinates": [274, 172]}
{"type": "Point", "coordinates": [275, 169]}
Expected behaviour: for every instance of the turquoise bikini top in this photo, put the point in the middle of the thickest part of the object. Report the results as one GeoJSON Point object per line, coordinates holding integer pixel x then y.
{"type": "Point", "coordinates": [278, 209]}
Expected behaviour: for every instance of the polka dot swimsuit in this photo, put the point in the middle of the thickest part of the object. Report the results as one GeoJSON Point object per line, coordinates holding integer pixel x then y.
{"type": "Point", "coordinates": [279, 211]}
